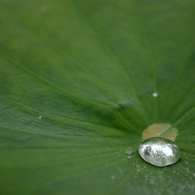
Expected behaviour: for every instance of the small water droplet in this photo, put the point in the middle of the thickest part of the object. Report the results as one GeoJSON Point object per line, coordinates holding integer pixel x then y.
{"type": "Point", "coordinates": [159, 151]}
{"type": "Point", "coordinates": [174, 171]}
{"type": "Point", "coordinates": [129, 151]}
{"type": "Point", "coordinates": [129, 156]}
{"type": "Point", "coordinates": [146, 176]}
{"type": "Point", "coordinates": [40, 117]}
{"type": "Point", "coordinates": [152, 182]}
{"type": "Point", "coordinates": [43, 8]}
{"type": "Point", "coordinates": [112, 176]}
{"type": "Point", "coordinates": [194, 174]}
{"type": "Point", "coordinates": [160, 176]}
{"type": "Point", "coordinates": [107, 148]}
{"type": "Point", "coordinates": [155, 94]}
{"type": "Point", "coordinates": [120, 170]}
{"type": "Point", "coordinates": [186, 162]}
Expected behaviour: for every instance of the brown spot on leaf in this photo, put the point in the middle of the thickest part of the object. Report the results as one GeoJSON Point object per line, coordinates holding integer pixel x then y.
{"type": "Point", "coordinates": [160, 130]}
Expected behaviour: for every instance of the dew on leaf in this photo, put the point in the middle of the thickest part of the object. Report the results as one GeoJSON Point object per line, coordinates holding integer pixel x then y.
{"type": "Point", "coordinates": [129, 156]}
{"type": "Point", "coordinates": [155, 94]}
{"type": "Point", "coordinates": [40, 117]}
{"type": "Point", "coordinates": [186, 162]}
{"type": "Point", "coordinates": [120, 171]}
{"type": "Point", "coordinates": [112, 176]}
{"type": "Point", "coordinates": [129, 151]}
{"type": "Point", "coordinates": [159, 151]}
{"type": "Point", "coordinates": [107, 148]}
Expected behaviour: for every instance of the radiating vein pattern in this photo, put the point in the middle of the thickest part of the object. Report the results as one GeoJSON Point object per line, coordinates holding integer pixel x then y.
{"type": "Point", "coordinates": [77, 84]}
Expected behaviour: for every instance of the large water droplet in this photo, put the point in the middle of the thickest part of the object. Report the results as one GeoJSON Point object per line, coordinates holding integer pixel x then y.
{"type": "Point", "coordinates": [159, 151]}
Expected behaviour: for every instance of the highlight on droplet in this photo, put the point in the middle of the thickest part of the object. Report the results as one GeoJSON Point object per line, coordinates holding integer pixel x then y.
{"type": "Point", "coordinates": [159, 151]}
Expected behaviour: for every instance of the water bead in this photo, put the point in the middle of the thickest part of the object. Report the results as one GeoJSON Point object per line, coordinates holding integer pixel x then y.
{"type": "Point", "coordinates": [159, 151]}
{"type": "Point", "coordinates": [155, 94]}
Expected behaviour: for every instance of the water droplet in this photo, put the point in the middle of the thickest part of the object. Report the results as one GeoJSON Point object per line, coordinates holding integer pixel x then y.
{"type": "Point", "coordinates": [160, 176]}
{"type": "Point", "coordinates": [40, 117]}
{"type": "Point", "coordinates": [186, 162]}
{"type": "Point", "coordinates": [152, 181]}
{"type": "Point", "coordinates": [128, 156]}
{"type": "Point", "coordinates": [155, 94]}
{"type": "Point", "coordinates": [112, 176]}
{"type": "Point", "coordinates": [43, 8]}
{"type": "Point", "coordinates": [164, 169]}
{"type": "Point", "coordinates": [107, 148]}
{"type": "Point", "coordinates": [120, 170]}
{"type": "Point", "coordinates": [159, 151]}
{"type": "Point", "coordinates": [129, 151]}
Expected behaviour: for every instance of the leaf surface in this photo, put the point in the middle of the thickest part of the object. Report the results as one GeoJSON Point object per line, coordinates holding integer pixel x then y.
{"type": "Point", "coordinates": [76, 92]}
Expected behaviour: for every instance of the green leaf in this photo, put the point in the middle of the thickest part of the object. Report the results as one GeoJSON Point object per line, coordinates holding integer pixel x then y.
{"type": "Point", "coordinates": [76, 91]}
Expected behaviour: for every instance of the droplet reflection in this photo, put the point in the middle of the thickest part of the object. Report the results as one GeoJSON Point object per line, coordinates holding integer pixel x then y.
{"type": "Point", "coordinates": [155, 94]}
{"type": "Point", "coordinates": [159, 151]}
